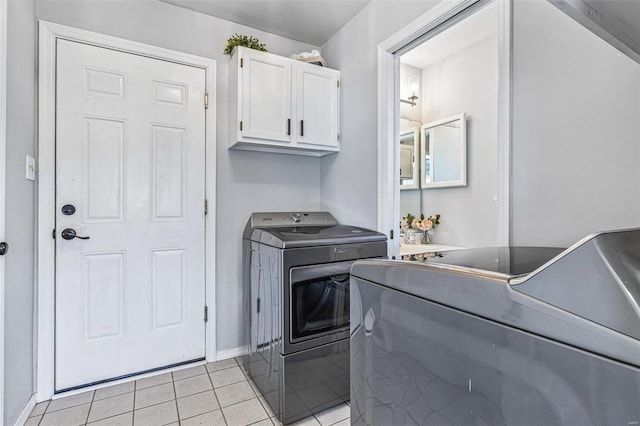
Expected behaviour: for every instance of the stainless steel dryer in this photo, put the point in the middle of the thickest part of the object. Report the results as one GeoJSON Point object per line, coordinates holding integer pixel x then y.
{"type": "Point", "coordinates": [296, 284]}
{"type": "Point", "coordinates": [501, 336]}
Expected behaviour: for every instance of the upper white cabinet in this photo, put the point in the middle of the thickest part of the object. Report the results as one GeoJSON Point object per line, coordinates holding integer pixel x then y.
{"type": "Point", "coordinates": [282, 105]}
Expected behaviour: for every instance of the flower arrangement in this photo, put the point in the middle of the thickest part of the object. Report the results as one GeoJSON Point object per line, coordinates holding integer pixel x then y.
{"type": "Point", "coordinates": [422, 225]}
{"type": "Point", "coordinates": [421, 256]}
{"type": "Point", "coordinates": [243, 40]}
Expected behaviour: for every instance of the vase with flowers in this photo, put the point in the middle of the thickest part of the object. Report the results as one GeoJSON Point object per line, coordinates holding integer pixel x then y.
{"type": "Point", "coordinates": [418, 230]}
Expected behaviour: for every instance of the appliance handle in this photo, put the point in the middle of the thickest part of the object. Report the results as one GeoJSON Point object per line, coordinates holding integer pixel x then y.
{"type": "Point", "coordinates": [340, 278]}
{"type": "Point", "coordinates": [304, 273]}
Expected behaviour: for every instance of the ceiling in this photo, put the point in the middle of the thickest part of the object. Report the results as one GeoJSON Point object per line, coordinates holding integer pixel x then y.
{"type": "Point", "coordinates": [621, 18]}
{"type": "Point", "coordinates": [315, 21]}
{"type": "Point", "coordinates": [474, 28]}
{"type": "Point", "coordinates": [308, 21]}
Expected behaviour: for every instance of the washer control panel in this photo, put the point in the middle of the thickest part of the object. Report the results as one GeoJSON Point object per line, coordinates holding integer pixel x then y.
{"type": "Point", "coordinates": [288, 219]}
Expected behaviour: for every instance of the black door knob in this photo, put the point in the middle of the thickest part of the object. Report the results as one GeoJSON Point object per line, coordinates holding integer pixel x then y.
{"type": "Point", "coordinates": [70, 234]}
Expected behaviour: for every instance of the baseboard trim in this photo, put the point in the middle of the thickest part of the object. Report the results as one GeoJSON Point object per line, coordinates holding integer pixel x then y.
{"type": "Point", "coordinates": [230, 353]}
{"type": "Point", "coordinates": [28, 408]}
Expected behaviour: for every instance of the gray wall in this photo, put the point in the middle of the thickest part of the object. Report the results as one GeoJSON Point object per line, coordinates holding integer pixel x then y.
{"type": "Point", "coordinates": [350, 179]}
{"type": "Point", "coordinates": [20, 219]}
{"type": "Point", "coordinates": [466, 81]}
{"type": "Point", "coordinates": [245, 181]}
{"type": "Point", "coordinates": [576, 130]}
{"type": "Point", "coordinates": [410, 116]}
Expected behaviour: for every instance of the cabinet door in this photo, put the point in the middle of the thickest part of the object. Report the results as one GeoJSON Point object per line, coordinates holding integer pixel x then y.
{"type": "Point", "coordinates": [317, 106]}
{"type": "Point", "coordinates": [266, 97]}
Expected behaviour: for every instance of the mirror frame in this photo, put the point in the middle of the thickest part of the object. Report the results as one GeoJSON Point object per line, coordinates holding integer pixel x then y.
{"type": "Point", "coordinates": [462, 181]}
{"type": "Point", "coordinates": [416, 154]}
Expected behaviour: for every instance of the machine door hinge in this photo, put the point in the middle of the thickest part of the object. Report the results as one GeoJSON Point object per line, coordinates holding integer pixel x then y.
{"type": "Point", "coordinates": [53, 233]}
{"type": "Point", "coordinates": [206, 100]}
{"type": "Point", "coordinates": [206, 207]}
{"type": "Point", "coordinates": [241, 126]}
{"type": "Point", "coordinates": [338, 81]}
{"type": "Point", "coordinates": [206, 313]}
{"type": "Point", "coordinates": [258, 305]}
{"type": "Point", "coordinates": [391, 234]}
{"type": "Point", "coordinates": [338, 136]}
{"type": "Point", "coordinates": [241, 62]}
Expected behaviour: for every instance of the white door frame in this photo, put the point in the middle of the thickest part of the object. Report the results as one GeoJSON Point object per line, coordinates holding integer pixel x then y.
{"type": "Point", "coordinates": [389, 112]}
{"type": "Point", "coordinates": [48, 34]}
{"type": "Point", "coordinates": [3, 163]}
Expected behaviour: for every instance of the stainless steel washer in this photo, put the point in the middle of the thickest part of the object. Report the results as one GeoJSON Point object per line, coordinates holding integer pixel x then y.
{"type": "Point", "coordinates": [500, 336]}
{"type": "Point", "coordinates": [296, 284]}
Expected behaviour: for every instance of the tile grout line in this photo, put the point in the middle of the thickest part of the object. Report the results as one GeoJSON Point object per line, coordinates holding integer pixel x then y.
{"type": "Point", "coordinates": [93, 396]}
{"type": "Point", "coordinates": [247, 378]}
{"type": "Point", "coordinates": [175, 397]}
{"type": "Point", "coordinates": [215, 395]}
{"type": "Point", "coordinates": [135, 389]}
{"type": "Point", "coordinates": [43, 413]}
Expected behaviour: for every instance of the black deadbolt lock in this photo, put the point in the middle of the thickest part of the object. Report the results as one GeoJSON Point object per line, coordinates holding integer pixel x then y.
{"type": "Point", "coordinates": [68, 209]}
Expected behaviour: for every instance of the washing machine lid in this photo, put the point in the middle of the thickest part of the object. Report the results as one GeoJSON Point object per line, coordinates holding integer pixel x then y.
{"type": "Point", "coordinates": [504, 262]}
{"type": "Point", "coordinates": [305, 229]}
{"type": "Point", "coordinates": [598, 279]}
{"type": "Point", "coordinates": [587, 296]}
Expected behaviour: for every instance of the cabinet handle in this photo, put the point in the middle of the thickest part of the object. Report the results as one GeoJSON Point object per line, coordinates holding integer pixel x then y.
{"type": "Point", "coordinates": [288, 127]}
{"type": "Point", "coordinates": [301, 127]}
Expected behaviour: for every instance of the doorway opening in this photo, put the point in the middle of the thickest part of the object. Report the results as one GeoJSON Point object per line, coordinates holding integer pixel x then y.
{"type": "Point", "coordinates": [454, 62]}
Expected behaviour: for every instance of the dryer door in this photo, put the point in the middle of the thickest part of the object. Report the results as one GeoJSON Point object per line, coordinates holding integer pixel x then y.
{"type": "Point", "coordinates": [319, 300]}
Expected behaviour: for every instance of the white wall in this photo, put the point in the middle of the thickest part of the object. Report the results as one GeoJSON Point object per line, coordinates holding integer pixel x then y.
{"type": "Point", "coordinates": [576, 130]}
{"type": "Point", "coordinates": [349, 179]}
{"type": "Point", "coordinates": [410, 116]}
{"type": "Point", "coordinates": [246, 181]}
{"type": "Point", "coordinates": [20, 219]}
{"type": "Point", "coordinates": [466, 81]}
{"type": "Point", "coordinates": [407, 111]}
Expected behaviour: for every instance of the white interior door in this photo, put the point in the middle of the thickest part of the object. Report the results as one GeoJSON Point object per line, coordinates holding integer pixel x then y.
{"type": "Point", "coordinates": [130, 159]}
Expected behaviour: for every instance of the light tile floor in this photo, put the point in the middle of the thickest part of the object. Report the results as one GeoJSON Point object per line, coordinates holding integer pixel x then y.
{"type": "Point", "coordinates": [213, 394]}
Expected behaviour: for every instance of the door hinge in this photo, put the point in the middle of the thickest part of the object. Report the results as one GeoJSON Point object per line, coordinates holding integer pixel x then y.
{"type": "Point", "coordinates": [338, 81]}
{"type": "Point", "coordinates": [206, 100]}
{"type": "Point", "coordinates": [391, 234]}
{"type": "Point", "coordinates": [258, 305]}
{"type": "Point", "coordinates": [241, 126]}
{"type": "Point", "coordinates": [241, 62]}
{"type": "Point", "coordinates": [53, 233]}
{"type": "Point", "coordinates": [206, 207]}
{"type": "Point", "coordinates": [338, 136]}
{"type": "Point", "coordinates": [206, 313]}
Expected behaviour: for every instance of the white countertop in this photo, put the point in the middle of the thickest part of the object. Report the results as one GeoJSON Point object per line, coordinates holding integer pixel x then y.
{"type": "Point", "coordinates": [408, 249]}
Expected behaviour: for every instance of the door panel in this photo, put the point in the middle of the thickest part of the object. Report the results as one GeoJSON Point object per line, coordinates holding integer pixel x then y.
{"type": "Point", "coordinates": [103, 169]}
{"type": "Point", "coordinates": [168, 175]}
{"type": "Point", "coordinates": [317, 94]}
{"type": "Point", "coordinates": [266, 97]}
{"type": "Point", "coordinates": [130, 152]}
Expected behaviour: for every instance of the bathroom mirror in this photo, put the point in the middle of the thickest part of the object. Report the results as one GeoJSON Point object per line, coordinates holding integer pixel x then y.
{"type": "Point", "coordinates": [409, 146]}
{"type": "Point", "coordinates": [444, 153]}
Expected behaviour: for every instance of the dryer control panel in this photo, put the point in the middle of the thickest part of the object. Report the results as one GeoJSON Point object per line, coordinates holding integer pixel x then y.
{"type": "Point", "coordinates": [288, 219]}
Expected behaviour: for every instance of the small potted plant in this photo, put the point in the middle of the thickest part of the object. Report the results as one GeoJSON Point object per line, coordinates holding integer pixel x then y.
{"type": "Point", "coordinates": [245, 41]}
